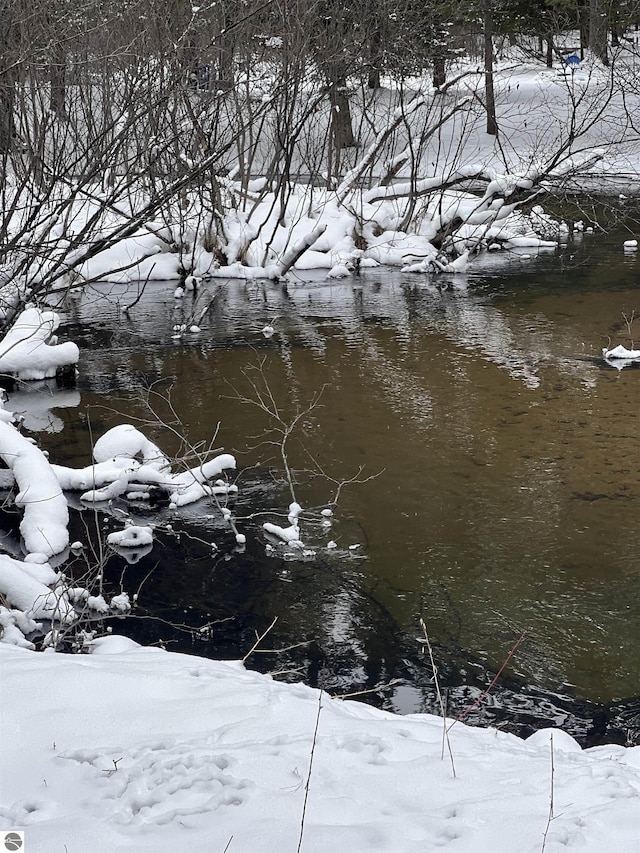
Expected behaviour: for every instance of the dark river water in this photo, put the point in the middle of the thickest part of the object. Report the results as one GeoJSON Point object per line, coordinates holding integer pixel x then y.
{"type": "Point", "coordinates": [498, 456]}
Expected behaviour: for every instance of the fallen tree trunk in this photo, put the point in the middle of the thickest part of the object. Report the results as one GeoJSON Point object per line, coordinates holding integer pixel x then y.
{"type": "Point", "coordinates": [45, 512]}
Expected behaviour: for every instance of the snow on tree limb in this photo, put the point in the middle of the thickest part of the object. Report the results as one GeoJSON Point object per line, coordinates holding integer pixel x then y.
{"type": "Point", "coordinates": [399, 114]}
{"type": "Point", "coordinates": [296, 251]}
{"type": "Point", "coordinates": [424, 186]}
{"type": "Point", "coordinates": [126, 459]}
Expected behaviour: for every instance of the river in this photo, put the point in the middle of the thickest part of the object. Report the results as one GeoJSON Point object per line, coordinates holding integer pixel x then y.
{"type": "Point", "coordinates": [497, 456]}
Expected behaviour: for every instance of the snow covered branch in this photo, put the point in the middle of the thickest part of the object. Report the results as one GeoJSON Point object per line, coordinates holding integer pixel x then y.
{"type": "Point", "coordinates": [127, 463]}
{"type": "Point", "coordinates": [295, 252]}
{"type": "Point", "coordinates": [424, 185]}
{"type": "Point", "coordinates": [46, 516]}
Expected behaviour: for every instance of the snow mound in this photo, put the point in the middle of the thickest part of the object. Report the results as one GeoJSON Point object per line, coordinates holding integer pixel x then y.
{"type": "Point", "coordinates": [621, 352]}
{"type": "Point", "coordinates": [26, 351]}
{"type": "Point", "coordinates": [132, 536]}
{"type": "Point", "coordinates": [30, 595]}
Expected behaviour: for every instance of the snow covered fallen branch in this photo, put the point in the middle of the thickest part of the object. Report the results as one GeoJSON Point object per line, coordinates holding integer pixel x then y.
{"type": "Point", "coordinates": [293, 254]}
{"type": "Point", "coordinates": [424, 186]}
{"type": "Point", "coordinates": [46, 515]}
{"type": "Point", "coordinates": [118, 471]}
{"type": "Point", "coordinates": [126, 463]}
{"type": "Point", "coordinates": [621, 352]}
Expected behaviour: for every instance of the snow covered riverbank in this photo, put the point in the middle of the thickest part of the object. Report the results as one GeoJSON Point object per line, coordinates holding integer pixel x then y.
{"type": "Point", "coordinates": [135, 748]}
{"type": "Point", "coordinates": [465, 192]}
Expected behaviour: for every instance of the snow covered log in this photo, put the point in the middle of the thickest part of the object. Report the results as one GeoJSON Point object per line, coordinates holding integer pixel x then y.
{"type": "Point", "coordinates": [26, 351]}
{"type": "Point", "coordinates": [193, 484]}
{"type": "Point", "coordinates": [290, 535]}
{"type": "Point", "coordinates": [125, 441]}
{"type": "Point", "coordinates": [46, 515]}
{"type": "Point", "coordinates": [126, 460]}
{"type": "Point", "coordinates": [93, 476]}
{"type": "Point", "coordinates": [133, 536]}
{"type": "Point", "coordinates": [424, 185]}
{"type": "Point", "coordinates": [621, 357]}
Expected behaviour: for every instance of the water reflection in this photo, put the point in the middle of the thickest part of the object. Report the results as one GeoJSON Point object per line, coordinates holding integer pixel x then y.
{"type": "Point", "coordinates": [508, 449]}
{"type": "Point", "coordinates": [34, 404]}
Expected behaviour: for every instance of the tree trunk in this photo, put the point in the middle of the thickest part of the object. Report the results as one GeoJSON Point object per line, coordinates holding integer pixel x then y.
{"type": "Point", "coordinates": [341, 123]}
{"type": "Point", "coordinates": [375, 59]}
{"type": "Point", "coordinates": [6, 113]}
{"type": "Point", "coordinates": [549, 51]}
{"type": "Point", "coordinates": [598, 31]}
{"type": "Point", "coordinates": [490, 101]}
{"type": "Point", "coordinates": [7, 83]}
{"type": "Point", "coordinates": [58, 81]}
{"type": "Point", "coordinates": [224, 68]}
{"type": "Point", "coordinates": [439, 72]}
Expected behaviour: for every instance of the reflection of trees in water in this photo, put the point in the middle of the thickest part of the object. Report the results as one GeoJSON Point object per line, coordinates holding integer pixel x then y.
{"type": "Point", "coordinates": [309, 313]}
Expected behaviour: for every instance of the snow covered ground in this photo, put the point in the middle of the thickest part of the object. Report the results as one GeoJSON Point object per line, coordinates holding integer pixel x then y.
{"type": "Point", "coordinates": [135, 748]}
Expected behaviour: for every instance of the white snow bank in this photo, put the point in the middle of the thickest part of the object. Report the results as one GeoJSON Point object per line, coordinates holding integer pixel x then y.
{"type": "Point", "coordinates": [25, 350]}
{"type": "Point", "coordinates": [150, 751]}
{"type": "Point", "coordinates": [113, 645]}
{"type": "Point", "coordinates": [316, 228]}
{"type": "Point", "coordinates": [14, 625]}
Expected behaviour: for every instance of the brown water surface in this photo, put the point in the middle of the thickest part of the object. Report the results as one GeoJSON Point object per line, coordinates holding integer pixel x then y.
{"type": "Point", "coordinates": [507, 451]}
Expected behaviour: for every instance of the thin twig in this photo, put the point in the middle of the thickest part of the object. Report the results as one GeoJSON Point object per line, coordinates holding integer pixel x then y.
{"type": "Point", "coordinates": [306, 787]}
{"type": "Point", "coordinates": [445, 730]}
{"type": "Point", "coordinates": [375, 689]}
{"type": "Point", "coordinates": [259, 639]}
{"type": "Point", "coordinates": [486, 692]}
{"type": "Point", "coordinates": [550, 816]}
{"type": "Point", "coordinates": [141, 291]}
